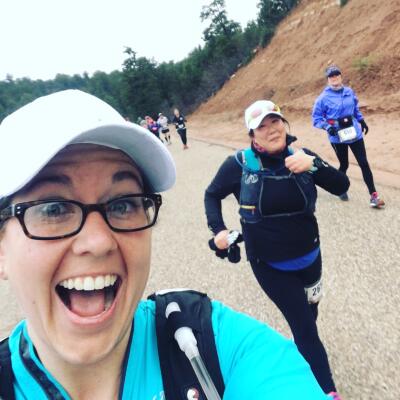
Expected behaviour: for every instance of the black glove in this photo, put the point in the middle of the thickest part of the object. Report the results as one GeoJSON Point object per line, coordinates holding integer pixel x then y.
{"type": "Point", "coordinates": [232, 252]}
{"type": "Point", "coordinates": [364, 127]}
{"type": "Point", "coordinates": [332, 131]}
{"type": "Point", "coordinates": [234, 249]}
{"type": "Point", "coordinates": [218, 252]}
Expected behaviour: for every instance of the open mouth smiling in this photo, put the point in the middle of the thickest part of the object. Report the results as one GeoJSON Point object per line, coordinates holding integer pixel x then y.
{"type": "Point", "coordinates": [89, 296]}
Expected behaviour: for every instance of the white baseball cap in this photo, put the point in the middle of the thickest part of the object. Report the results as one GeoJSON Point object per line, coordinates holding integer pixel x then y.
{"type": "Point", "coordinates": [31, 136]}
{"type": "Point", "coordinates": [257, 111]}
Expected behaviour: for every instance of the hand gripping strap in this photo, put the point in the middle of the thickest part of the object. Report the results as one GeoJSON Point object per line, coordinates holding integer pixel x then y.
{"type": "Point", "coordinates": [177, 373]}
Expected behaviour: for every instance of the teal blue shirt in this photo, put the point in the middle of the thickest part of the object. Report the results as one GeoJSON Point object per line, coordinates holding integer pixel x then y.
{"type": "Point", "coordinates": [256, 362]}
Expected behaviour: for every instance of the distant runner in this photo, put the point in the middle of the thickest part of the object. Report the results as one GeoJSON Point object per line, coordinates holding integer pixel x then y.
{"type": "Point", "coordinates": [336, 111]}
{"type": "Point", "coordinates": [179, 121]}
{"type": "Point", "coordinates": [153, 126]}
{"type": "Point", "coordinates": [163, 123]}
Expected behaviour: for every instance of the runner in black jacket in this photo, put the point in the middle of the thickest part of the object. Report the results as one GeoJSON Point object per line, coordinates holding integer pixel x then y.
{"type": "Point", "coordinates": [275, 186]}
{"type": "Point", "coordinates": [179, 121]}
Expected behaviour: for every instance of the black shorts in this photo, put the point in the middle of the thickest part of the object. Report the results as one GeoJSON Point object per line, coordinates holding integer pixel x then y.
{"type": "Point", "coordinates": [164, 130]}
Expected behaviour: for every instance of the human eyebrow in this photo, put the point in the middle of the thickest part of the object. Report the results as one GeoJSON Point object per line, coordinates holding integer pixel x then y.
{"type": "Point", "coordinates": [123, 175]}
{"type": "Point", "coordinates": [46, 179]}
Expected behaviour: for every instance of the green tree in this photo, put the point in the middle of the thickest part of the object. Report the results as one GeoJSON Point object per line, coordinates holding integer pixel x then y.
{"type": "Point", "coordinates": [219, 34]}
{"type": "Point", "coordinates": [220, 25]}
{"type": "Point", "coordinates": [140, 91]}
{"type": "Point", "coordinates": [145, 87]}
{"type": "Point", "coordinates": [271, 12]}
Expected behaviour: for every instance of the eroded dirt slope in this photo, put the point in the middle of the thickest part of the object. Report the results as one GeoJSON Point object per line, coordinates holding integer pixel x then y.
{"type": "Point", "coordinates": [290, 72]}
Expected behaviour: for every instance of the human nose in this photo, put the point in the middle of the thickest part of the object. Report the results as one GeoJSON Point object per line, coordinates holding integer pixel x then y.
{"type": "Point", "coordinates": [95, 236]}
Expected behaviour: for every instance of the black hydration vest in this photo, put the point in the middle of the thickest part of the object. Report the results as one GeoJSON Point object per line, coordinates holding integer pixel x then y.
{"type": "Point", "coordinates": [177, 373]}
{"type": "Point", "coordinates": [6, 372]}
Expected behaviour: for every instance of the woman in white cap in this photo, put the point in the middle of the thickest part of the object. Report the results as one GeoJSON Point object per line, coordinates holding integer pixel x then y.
{"type": "Point", "coordinates": [78, 199]}
{"type": "Point", "coordinates": [163, 123]}
{"type": "Point", "coordinates": [275, 186]}
{"type": "Point", "coordinates": [336, 111]}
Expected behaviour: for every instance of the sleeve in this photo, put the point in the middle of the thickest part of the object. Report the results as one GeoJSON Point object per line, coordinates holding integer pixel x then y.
{"type": "Point", "coordinates": [259, 363]}
{"type": "Point", "coordinates": [329, 178]}
{"type": "Point", "coordinates": [357, 113]}
{"type": "Point", "coordinates": [225, 182]}
{"type": "Point", "coordinates": [318, 115]}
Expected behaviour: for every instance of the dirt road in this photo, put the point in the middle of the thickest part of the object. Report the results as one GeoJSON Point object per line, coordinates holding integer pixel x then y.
{"type": "Point", "coordinates": [359, 318]}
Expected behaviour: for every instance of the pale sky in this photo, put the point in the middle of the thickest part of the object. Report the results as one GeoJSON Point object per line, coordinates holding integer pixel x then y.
{"type": "Point", "coordinates": [40, 38]}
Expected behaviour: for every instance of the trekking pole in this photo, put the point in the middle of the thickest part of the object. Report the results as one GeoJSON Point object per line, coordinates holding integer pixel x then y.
{"type": "Point", "coordinates": [188, 344]}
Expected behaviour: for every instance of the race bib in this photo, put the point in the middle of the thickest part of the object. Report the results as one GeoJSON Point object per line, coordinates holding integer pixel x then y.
{"type": "Point", "coordinates": [346, 134]}
{"type": "Point", "coordinates": [180, 126]}
{"type": "Point", "coordinates": [314, 292]}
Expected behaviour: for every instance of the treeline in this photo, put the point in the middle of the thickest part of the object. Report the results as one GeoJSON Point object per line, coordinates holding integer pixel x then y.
{"type": "Point", "coordinates": [145, 87]}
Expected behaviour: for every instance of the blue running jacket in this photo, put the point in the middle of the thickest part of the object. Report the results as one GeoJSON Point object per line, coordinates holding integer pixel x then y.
{"type": "Point", "coordinates": [333, 104]}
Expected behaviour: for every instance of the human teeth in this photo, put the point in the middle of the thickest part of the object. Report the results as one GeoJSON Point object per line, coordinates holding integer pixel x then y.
{"type": "Point", "coordinates": [89, 283]}
{"type": "Point", "coordinates": [78, 283]}
{"type": "Point", "coordinates": [99, 282]}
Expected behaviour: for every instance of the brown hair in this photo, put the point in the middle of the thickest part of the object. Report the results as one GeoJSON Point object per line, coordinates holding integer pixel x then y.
{"type": "Point", "coordinates": [4, 202]}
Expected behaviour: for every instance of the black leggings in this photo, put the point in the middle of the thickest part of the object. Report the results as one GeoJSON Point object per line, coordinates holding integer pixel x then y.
{"type": "Point", "coordinates": [156, 134]}
{"type": "Point", "coordinates": [358, 149]}
{"type": "Point", "coordinates": [182, 134]}
{"type": "Point", "coordinates": [286, 290]}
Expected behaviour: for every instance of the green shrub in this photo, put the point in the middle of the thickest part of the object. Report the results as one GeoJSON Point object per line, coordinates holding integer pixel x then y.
{"type": "Point", "coordinates": [343, 3]}
{"type": "Point", "coordinates": [364, 64]}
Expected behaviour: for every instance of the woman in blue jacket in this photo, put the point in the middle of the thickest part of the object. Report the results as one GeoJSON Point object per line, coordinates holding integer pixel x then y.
{"type": "Point", "coordinates": [336, 111]}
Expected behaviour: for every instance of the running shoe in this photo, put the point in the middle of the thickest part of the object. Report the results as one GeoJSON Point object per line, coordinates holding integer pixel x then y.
{"type": "Point", "coordinates": [344, 197]}
{"type": "Point", "coordinates": [334, 396]}
{"type": "Point", "coordinates": [376, 202]}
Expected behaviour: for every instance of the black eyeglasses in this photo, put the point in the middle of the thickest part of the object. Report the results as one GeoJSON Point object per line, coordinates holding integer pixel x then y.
{"type": "Point", "coordinates": [56, 219]}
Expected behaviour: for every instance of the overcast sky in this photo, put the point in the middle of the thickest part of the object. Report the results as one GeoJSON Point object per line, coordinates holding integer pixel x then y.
{"type": "Point", "coordinates": [40, 38]}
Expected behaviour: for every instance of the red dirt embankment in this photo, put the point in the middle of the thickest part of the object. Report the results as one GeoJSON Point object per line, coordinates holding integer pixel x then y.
{"type": "Point", "coordinates": [363, 38]}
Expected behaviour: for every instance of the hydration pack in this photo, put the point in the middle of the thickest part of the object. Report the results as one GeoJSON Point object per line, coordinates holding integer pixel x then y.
{"type": "Point", "coordinates": [179, 379]}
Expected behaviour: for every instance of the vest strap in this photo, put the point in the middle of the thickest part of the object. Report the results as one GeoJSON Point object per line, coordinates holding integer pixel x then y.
{"type": "Point", "coordinates": [6, 372]}
{"type": "Point", "coordinates": [177, 373]}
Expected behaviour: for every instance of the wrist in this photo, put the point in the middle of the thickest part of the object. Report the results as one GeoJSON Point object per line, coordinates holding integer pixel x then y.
{"type": "Point", "coordinates": [317, 163]}
{"type": "Point", "coordinates": [313, 168]}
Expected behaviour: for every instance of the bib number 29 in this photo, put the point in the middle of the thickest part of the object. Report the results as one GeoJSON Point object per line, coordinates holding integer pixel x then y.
{"type": "Point", "coordinates": [314, 292]}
